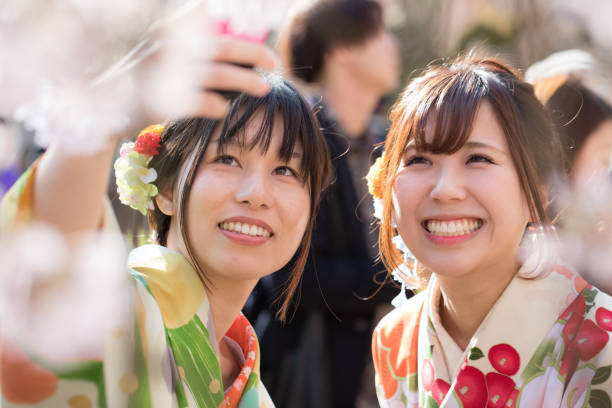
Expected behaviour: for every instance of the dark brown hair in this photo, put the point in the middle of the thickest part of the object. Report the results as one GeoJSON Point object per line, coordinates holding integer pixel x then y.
{"type": "Point", "coordinates": [576, 111]}
{"type": "Point", "coordinates": [185, 141]}
{"type": "Point", "coordinates": [323, 25]}
{"type": "Point", "coordinates": [449, 95]}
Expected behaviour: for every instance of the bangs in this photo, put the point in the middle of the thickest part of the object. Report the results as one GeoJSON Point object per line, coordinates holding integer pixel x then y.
{"type": "Point", "coordinates": [281, 103]}
{"type": "Point", "coordinates": [443, 119]}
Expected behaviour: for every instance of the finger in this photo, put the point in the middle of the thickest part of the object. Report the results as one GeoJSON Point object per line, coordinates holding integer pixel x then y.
{"type": "Point", "coordinates": [229, 49]}
{"type": "Point", "coordinates": [209, 105]}
{"type": "Point", "coordinates": [220, 76]}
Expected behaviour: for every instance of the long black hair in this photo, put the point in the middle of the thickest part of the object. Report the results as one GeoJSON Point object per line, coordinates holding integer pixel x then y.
{"type": "Point", "coordinates": [185, 141]}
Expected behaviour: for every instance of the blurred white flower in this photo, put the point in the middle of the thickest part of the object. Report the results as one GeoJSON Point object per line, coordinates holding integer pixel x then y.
{"type": "Point", "coordinates": [80, 120]}
{"type": "Point", "coordinates": [10, 145]}
{"type": "Point", "coordinates": [585, 233]}
{"type": "Point", "coordinates": [250, 18]}
{"type": "Point", "coordinates": [50, 52]}
{"type": "Point", "coordinates": [62, 300]}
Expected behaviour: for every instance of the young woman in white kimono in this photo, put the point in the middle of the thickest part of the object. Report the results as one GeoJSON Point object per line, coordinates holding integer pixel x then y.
{"type": "Point", "coordinates": [498, 323]}
{"type": "Point", "coordinates": [230, 199]}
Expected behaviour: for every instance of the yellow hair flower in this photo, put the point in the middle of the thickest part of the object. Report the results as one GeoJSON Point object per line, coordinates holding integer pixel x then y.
{"type": "Point", "coordinates": [132, 173]}
{"type": "Point", "coordinates": [374, 178]}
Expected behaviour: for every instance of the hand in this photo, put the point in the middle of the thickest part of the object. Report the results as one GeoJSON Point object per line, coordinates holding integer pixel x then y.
{"type": "Point", "coordinates": [187, 65]}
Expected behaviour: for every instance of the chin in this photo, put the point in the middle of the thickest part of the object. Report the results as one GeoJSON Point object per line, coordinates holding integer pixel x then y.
{"type": "Point", "coordinates": [249, 270]}
{"type": "Point", "coordinates": [449, 267]}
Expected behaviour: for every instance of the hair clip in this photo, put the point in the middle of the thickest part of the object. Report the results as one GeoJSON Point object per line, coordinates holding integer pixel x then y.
{"type": "Point", "coordinates": [133, 176]}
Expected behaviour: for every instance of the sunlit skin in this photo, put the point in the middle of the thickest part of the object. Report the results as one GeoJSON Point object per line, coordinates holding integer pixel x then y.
{"type": "Point", "coordinates": [376, 61]}
{"type": "Point", "coordinates": [241, 185]}
{"type": "Point", "coordinates": [478, 184]}
{"type": "Point", "coordinates": [354, 78]}
{"type": "Point", "coordinates": [591, 164]}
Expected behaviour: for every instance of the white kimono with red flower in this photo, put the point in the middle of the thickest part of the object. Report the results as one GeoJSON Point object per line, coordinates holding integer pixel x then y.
{"type": "Point", "coordinates": [545, 343]}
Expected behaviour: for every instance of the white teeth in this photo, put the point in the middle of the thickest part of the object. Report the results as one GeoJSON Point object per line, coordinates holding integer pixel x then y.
{"type": "Point", "coordinates": [453, 228]}
{"type": "Point", "coordinates": [247, 229]}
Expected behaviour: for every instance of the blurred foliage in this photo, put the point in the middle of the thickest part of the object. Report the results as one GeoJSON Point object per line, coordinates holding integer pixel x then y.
{"type": "Point", "coordinates": [519, 31]}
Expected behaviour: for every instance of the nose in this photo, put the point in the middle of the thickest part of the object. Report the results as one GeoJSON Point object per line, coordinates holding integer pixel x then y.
{"type": "Point", "coordinates": [253, 190]}
{"type": "Point", "coordinates": [448, 186]}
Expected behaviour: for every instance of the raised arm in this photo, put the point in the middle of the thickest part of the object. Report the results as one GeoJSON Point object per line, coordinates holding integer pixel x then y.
{"type": "Point", "coordinates": [69, 189]}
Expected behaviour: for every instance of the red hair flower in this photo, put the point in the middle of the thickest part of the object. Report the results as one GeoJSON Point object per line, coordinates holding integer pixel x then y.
{"type": "Point", "coordinates": [149, 140]}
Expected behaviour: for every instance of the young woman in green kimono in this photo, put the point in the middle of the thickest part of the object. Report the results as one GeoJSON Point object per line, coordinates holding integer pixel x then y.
{"type": "Point", "coordinates": [500, 321]}
{"type": "Point", "coordinates": [229, 200]}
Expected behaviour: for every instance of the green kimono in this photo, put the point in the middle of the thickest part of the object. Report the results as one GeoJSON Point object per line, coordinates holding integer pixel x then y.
{"type": "Point", "coordinates": [166, 358]}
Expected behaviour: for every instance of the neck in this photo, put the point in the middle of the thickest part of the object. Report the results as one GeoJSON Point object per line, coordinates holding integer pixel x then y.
{"type": "Point", "coordinates": [466, 300]}
{"type": "Point", "coordinates": [227, 299]}
{"type": "Point", "coordinates": [351, 99]}
{"type": "Point", "coordinates": [226, 296]}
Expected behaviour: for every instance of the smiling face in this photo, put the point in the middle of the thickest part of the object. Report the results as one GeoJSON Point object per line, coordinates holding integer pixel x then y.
{"type": "Point", "coordinates": [247, 209]}
{"type": "Point", "coordinates": [463, 213]}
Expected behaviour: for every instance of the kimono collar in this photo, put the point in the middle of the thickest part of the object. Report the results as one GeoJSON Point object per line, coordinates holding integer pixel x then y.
{"type": "Point", "coordinates": [173, 282]}
{"type": "Point", "coordinates": [525, 306]}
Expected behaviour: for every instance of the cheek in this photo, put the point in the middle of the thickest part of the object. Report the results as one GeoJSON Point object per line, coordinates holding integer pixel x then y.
{"type": "Point", "coordinates": [504, 199]}
{"type": "Point", "coordinates": [405, 197]}
{"type": "Point", "coordinates": [207, 194]}
{"type": "Point", "coordinates": [292, 204]}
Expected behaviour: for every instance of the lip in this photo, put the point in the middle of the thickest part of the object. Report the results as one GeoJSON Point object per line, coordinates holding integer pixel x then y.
{"type": "Point", "coordinates": [454, 240]}
{"type": "Point", "coordinates": [449, 217]}
{"type": "Point", "coordinates": [245, 239]}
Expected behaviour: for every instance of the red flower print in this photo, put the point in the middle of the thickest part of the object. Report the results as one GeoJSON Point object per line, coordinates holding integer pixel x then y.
{"type": "Point", "coordinates": [471, 388]}
{"type": "Point", "coordinates": [589, 340]}
{"type": "Point", "coordinates": [395, 348]}
{"type": "Point", "coordinates": [604, 318]}
{"type": "Point", "coordinates": [573, 315]}
{"type": "Point", "coordinates": [499, 387]}
{"type": "Point", "coordinates": [511, 401]}
{"type": "Point", "coordinates": [427, 372]}
{"type": "Point", "coordinates": [569, 362]}
{"type": "Point", "coordinates": [439, 390]}
{"type": "Point", "coordinates": [148, 143]}
{"type": "Point", "coordinates": [504, 358]}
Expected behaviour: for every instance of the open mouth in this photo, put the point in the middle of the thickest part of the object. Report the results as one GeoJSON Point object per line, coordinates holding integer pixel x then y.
{"type": "Point", "coordinates": [246, 229]}
{"type": "Point", "coordinates": [454, 228]}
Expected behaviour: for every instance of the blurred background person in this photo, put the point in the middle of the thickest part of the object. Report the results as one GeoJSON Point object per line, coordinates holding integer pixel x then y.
{"type": "Point", "coordinates": [583, 120]}
{"type": "Point", "coordinates": [344, 53]}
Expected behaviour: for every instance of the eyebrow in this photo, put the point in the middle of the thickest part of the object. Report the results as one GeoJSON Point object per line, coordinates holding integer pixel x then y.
{"type": "Point", "coordinates": [468, 145]}
{"type": "Point", "coordinates": [480, 145]}
{"type": "Point", "coordinates": [294, 155]}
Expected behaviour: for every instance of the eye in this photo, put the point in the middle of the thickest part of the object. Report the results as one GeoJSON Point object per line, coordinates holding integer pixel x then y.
{"type": "Point", "coordinates": [225, 159]}
{"type": "Point", "coordinates": [286, 171]}
{"type": "Point", "coordinates": [479, 158]}
{"type": "Point", "coordinates": [416, 160]}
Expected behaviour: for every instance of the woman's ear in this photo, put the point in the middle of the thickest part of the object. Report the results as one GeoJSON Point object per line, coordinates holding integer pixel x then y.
{"type": "Point", "coordinates": [165, 203]}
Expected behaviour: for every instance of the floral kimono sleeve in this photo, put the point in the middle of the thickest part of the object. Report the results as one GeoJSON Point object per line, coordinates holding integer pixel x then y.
{"type": "Point", "coordinates": [17, 205]}
{"type": "Point", "coordinates": [394, 350]}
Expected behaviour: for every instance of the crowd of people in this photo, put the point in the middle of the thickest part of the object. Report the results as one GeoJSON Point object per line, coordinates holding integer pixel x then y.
{"type": "Point", "coordinates": [306, 252]}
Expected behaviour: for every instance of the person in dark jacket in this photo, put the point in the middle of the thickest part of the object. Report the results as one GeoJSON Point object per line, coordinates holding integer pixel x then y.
{"type": "Point", "coordinates": [342, 49]}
